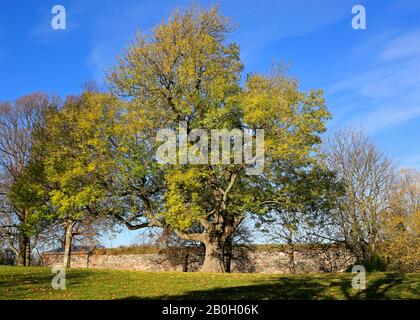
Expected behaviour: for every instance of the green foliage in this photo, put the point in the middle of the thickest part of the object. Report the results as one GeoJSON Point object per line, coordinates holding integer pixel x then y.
{"type": "Point", "coordinates": [184, 205]}
{"type": "Point", "coordinates": [292, 120]}
{"type": "Point", "coordinates": [29, 193]}
{"type": "Point", "coordinates": [75, 154]}
{"type": "Point", "coordinates": [375, 263]}
{"type": "Point", "coordinates": [185, 70]}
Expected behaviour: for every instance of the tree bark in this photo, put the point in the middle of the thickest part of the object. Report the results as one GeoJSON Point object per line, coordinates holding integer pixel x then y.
{"type": "Point", "coordinates": [186, 262]}
{"type": "Point", "coordinates": [213, 261]}
{"type": "Point", "coordinates": [227, 254]}
{"type": "Point", "coordinates": [68, 243]}
{"type": "Point", "coordinates": [23, 243]}
{"type": "Point", "coordinates": [28, 253]}
{"type": "Point", "coordinates": [292, 266]}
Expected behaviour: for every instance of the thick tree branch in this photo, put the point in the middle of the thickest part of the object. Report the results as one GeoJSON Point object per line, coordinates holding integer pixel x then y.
{"type": "Point", "coordinates": [189, 236]}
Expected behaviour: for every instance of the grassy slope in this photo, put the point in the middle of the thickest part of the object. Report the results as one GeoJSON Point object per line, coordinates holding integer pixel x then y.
{"type": "Point", "coordinates": [35, 283]}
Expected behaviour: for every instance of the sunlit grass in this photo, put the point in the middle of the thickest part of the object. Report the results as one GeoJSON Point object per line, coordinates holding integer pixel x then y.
{"type": "Point", "coordinates": [35, 283]}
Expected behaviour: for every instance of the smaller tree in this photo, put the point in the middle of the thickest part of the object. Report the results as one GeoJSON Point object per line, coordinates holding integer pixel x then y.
{"type": "Point", "coordinates": [76, 159]}
{"type": "Point", "coordinates": [238, 249]}
{"type": "Point", "coordinates": [19, 170]}
{"type": "Point", "coordinates": [300, 208]}
{"type": "Point", "coordinates": [367, 175]}
{"type": "Point", "coordinates": [401, 224]}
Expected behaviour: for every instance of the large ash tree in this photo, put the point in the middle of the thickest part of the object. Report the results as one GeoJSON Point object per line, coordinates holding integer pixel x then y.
{"type": "Point", "coordinates": [186, 72]}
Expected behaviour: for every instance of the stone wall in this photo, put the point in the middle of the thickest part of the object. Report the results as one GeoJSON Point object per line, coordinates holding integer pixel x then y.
{"type": "Point", "coordinates": [257, 261]}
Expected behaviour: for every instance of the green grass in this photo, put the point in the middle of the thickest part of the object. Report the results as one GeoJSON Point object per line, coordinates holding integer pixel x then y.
{"type": "Point", "coordinates": [35, 283]}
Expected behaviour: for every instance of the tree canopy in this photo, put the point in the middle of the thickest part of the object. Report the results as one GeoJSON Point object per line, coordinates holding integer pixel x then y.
{"type": "Point", "coordinates": [186, 71]}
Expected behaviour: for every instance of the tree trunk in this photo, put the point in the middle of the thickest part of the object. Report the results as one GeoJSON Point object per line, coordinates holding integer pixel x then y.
{"type": "Point", "coordinates": [213, 260]}
{"type": "Point", "coordinates": [28, 253]}
{"type": "Point", "coordinates": [68, 243]}
{"type": "Point", "coordinates": [227, 254]}
{"type": "Point", "coordinates": [292, 266]}
{"type": "Point", "coordinates": [23, 243]}
{"type": "Point", "coordinates": [186, 262]}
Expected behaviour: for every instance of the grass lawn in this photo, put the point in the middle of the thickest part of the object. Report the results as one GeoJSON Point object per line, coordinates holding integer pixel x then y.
{"type": "Point", "coordinates": [35, 283]}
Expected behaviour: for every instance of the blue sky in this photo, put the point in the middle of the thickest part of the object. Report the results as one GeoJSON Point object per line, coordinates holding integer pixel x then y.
{"type": "Point", "coordinates": [370, 77]}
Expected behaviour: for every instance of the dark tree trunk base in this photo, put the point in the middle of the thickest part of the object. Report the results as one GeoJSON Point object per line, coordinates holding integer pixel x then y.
{"type": "Point", "coordinates": [213, 261]}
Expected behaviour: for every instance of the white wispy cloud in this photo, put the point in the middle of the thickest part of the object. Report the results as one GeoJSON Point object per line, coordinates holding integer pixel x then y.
{"type": "Point", "coordinates": [389, 89]}
{"type": "Point", "coordinates": [404, 46]}
{"type": "Point", "coordinates": [266, 22]}
{"type": "Point", "coordinates": [405, 6]}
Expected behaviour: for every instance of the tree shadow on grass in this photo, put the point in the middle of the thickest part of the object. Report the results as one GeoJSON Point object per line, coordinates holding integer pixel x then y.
{"type": "Point", "coordinates": [282, 288]}
{"type": "Point", "coordinates": [294, 288]}
{"type": "Point", "coordinates": [378, 288]}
